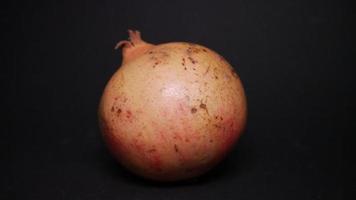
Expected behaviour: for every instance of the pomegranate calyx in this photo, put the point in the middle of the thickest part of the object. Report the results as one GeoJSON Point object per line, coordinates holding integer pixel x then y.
{"type": "Point", "coordinates": [133, 47]}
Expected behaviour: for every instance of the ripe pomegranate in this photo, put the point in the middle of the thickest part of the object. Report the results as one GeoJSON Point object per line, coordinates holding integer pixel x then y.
{"type": "Point", "coordinates": [171, 111]}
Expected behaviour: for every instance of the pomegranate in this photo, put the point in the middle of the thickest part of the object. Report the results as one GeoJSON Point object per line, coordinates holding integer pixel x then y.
{"type": "Point", "coordinates": [171, 111]}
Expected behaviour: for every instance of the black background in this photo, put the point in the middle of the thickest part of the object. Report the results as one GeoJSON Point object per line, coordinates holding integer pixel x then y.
{"type": "Point", "coordinates": [294, 58]}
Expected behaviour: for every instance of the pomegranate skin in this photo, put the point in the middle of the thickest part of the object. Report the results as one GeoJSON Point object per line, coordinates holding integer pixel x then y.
{"type": "Point", "coordinates": [171, 111]}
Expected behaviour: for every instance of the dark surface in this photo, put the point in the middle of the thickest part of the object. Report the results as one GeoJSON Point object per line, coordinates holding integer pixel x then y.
{"type": "Point", "coordinates": [294, 58]}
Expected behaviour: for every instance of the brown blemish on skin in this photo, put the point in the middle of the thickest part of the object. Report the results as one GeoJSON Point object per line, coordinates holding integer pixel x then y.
{"type": "Point", "coordinates": [112, 109]}
{"type": "Point", "coordinates": [189, 50]}
{"type": "Point", "coordinates": [176, 148]}
{"type": "Point", "coordinates": [187, 97]}
{"type": "Point", "coordinates": [211, 141]}
{"type": "Point", "coordinates": [181, 108]}
{"type": "Point", "coordinates": [150, 52]}
{"type": "Point", "coordinates": [164, 54]}
{"type": "Point", "coordinates": [187, 140]}
{"type": "Point", "coordinates": [193, 110]}
{"type": "Point", "coordinates": [177, 136]}
{"type": "Point", "coordinates": [207, 70]}
{"type": "Point", "coordinates": [183, 61]}
{"type": "Point", "coordinates": [139, 111]}
{"type": "Point", "coordinates": [192, 60]}
{"type": "Point", "coordinates": [118, 112]}
{"type": "Point", "coordinates": [216, 77]}
{"type": "Point", "coordinates": [151, 150]}
{"type": "Point", "coordinates": [204, 50]}
{"type": "Point", "coordinates": [193, 49]}
{"type": "Point", "coordinates": [217, 126]}
{"type": "Point", "coordinates": [161, 90]}
{"type": "Point", "coordinates": [203, 106]}
{"type": "Point", "coordinates": [156, 63]}
{"type": "Point", "coordinates": [128, 114]}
